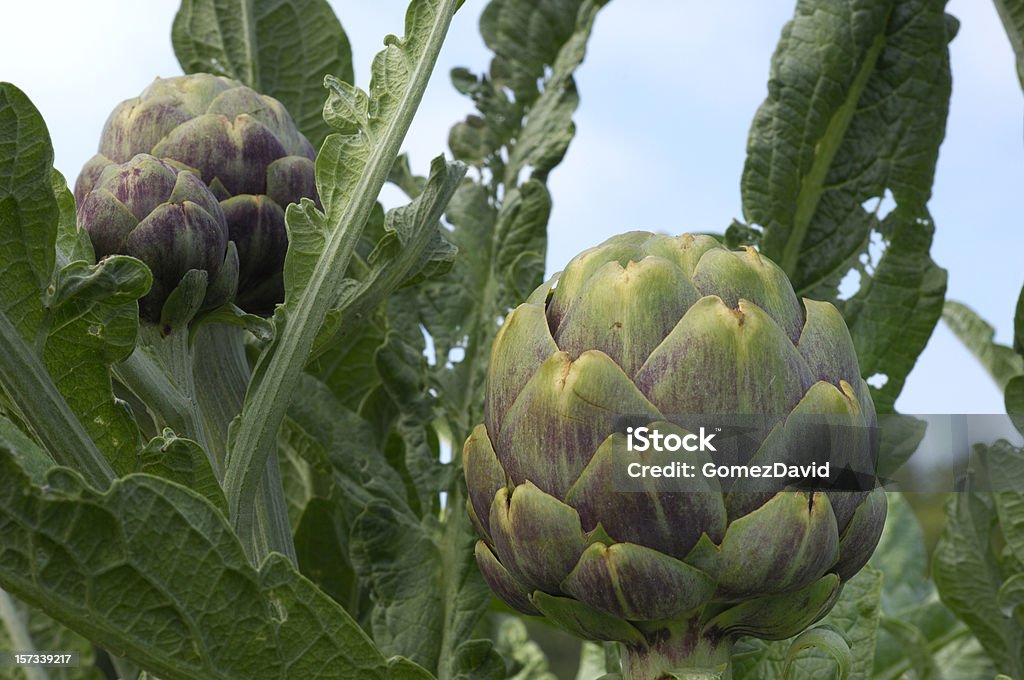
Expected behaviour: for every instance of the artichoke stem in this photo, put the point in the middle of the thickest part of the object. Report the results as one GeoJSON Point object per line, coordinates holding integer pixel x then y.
{"type": "Point", "coordinates": [221, 377]}
{"type": "Point", "coordinates": [679, 654]}
{"type": "Point", "coordinates": [175, 356]}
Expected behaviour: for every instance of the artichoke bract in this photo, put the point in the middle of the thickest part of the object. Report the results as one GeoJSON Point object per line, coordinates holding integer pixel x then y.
{"type": "Point", "coordinates": [242, 144]}
{"type": "Point", "coordinates": [166, 217]}
{"type": "Point", "coordinates": [649, 328]}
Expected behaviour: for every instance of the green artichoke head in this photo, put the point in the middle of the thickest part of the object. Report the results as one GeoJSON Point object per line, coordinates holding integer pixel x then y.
{"type": "Point", "coordinates": [242, 144]}
{"type": "Point", "coordinates": [166, 217]}
{"type": "Point", "coordinates": [650, 327]}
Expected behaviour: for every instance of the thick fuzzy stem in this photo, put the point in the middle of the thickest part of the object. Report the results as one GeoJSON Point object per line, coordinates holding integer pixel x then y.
{"type": "Point", "coordinates": [679, 654]}
{"type": "Point", "coordinates": [174, 356]}
{"type": "Point", "coordinates": [221, 375]}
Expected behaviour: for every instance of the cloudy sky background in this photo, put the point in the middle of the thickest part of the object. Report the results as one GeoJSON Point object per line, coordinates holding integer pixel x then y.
{"type": "Point", "coordinates": [668, 91]}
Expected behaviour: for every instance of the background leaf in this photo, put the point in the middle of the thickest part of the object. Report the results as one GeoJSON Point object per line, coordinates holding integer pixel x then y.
{"type": "Point", "coordinates": [282, 48]}
{"type": "Point", "coordinates": [968, 575]}
{"type": "Point", "coordinates": [856, 110]}
{"type": "Point", "coordinates": [894, 313]}
{"type": "Point", "coordinates": [1011, 12]}
{"type": "Point", "coordinates": [1001, 362]}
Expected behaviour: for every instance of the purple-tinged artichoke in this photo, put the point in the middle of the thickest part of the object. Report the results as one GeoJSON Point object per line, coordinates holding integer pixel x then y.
{"type": "Point", "coordinates": [651, 329]}
{"type": "Point", "coordinates": [242, 144]}
{"type": "Point", "coordinates": [166, 217]}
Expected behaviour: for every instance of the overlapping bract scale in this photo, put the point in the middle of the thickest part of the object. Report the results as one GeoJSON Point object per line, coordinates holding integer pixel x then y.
{"type": "Point", "coordinates": [650, 329]}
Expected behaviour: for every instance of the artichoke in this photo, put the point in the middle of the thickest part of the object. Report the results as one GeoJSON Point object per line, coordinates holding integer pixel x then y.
{"type": "Point", "coordinates": [166, 217]}
{"type": "Point", "coordinates": [242, 144]}
{"type": "Point", "coordinates": [648, 328]}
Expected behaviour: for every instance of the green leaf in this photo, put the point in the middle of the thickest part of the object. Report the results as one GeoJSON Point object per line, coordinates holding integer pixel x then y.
{"type": "Point", "coordinates": [471, 141]}
{"type": "Point", "coordinates": [184, 462]}
{"type": "Point", "coordinates": [901, 437]}
{"type": "Point", "coordinates": [592, 662]}
{"type": "Point", "coordinates": [427, 592]}
{"type": "Point", "coordinates": [908, 597]}
{"type": "Point", "coordinates": [901, 556]}
{"type": "Point", "coordinates": [184, 301]}
{"type": "Point", "coordinates": [1011, 597]}
{"type": "Point", "coordinates": [261, 327]}
{"type": "Point", "coordinates": [69, 324]}
{"type": "Point", "coordinates": [526, 36]}
{"type": "Point", "coordinates": [409, 249]}
{"type": "Point", "coordinates": [320, 428]}
{"type": "Point", "coordinates": [504, 262]}
{"type": "Point", "coordinates": [962, 658]}
{"type": "Point", "coordinates": [821, 639]}
{"type": "Point", "coordinates": [32, 459]}
{"type": "Point", "coordinates": [197, 609]}
{"type": "Point", "coordinates": [915, 647]}
{"type": "Point", "coordinates": [1011, 12]}
{"type": "Point", "coordinates": [347, 366]}
{"type": "Point", "coordinates": [1006, 472]}
{"type": "Point", "coordinates": [401, 368]}
{"type": "Point", "coordinates": [477, 660]}
{"type": "Point", "coordinates": [967, 575]}
{"type": "Point", "coordinates": [94, 324]}
{"type": "Point", "coordinates": [856, 616]}
{"type": "Point", "coordinates": [319, 546]}
{"type": "Point", "coordinates": [549, 128]}
{"type": "Point", "coordinates": [1001, 362]}
{"type": "Point", "coordinates": [28, 211]}
{"type": "Point", "coordinates": [1014, 399]}
{"type": "Point", "coordinates": [893, 314]}
{"type": "Point", "coordinates": [282, 48]}
{"type": "Point", "coordinates": [1018, 324]}
{"type": "Point", "coordinates": [823, 145]}
{"type": "Point", "coordinates": [73, 243]}
{"type": "Point", "coordinates": [522, 131]}
{"type": "Point", "coordinates": [527, 659]}
{"type": "Point", "coordinates": [351, 169]}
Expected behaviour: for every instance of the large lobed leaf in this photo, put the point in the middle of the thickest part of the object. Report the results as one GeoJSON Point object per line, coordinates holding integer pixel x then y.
{"type": "Point", "coordinates": [61, 328]}
{"type": "Point", "coordinates": [856, 109]}
{"type": "Point", "coordinates": [282, 48]}
{"type": "Point", "coordinates": [894, 313]}
{"type": "Point", "coordinates": [102, 564]}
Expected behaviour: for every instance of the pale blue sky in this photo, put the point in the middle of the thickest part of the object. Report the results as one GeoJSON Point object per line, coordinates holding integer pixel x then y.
{"type": "Point", "coordinates": [668, 91]}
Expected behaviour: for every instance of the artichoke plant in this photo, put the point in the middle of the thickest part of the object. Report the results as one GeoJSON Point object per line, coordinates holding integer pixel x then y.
{"type": "Point", "coordinates": [242, 144]}
{"type": "Point", "coordinates": [166, 217]}
{"type": "Point", "coordinates": [650, 327]}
